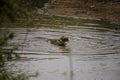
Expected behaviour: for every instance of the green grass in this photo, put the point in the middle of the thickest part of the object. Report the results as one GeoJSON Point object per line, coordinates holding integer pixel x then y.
{"type": "Point", "coordinates": [12, 76]}
{"type": "Point", "coordinates": [16, 75]}
{"type": "Point", "coordinates": [6, 53]}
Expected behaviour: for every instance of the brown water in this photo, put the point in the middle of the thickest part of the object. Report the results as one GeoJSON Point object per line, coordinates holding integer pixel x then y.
{"type": "Point", "coordinates": [93, 52]}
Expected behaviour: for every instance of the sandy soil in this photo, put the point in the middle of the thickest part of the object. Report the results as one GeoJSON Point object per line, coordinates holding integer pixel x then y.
{"type": "Point", "coordinates": [107, 11]}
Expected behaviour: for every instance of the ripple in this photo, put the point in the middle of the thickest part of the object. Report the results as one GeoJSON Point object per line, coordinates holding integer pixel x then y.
{"type": "Point", "coordinates": [84, 40]}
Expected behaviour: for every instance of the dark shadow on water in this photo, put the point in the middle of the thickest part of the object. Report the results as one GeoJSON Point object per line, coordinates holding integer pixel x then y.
{"type": "Point", "coordinates": [65, 49]}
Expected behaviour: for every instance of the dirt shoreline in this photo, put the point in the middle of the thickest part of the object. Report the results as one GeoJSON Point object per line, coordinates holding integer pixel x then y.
{"type": "Point", "coordinates": [105, 11]}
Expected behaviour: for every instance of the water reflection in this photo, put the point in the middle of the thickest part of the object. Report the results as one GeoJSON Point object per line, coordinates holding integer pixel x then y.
{"type": "Point", "coordinates": [65, 49]}
{"type": "Point", "coordinates": [83, 39]}
{"type": "Point", "coordinates": [91, 53]}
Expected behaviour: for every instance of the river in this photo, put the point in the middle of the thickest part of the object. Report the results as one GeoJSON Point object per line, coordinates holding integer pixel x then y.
{"type": "Point", "coordinates": [92, 53]}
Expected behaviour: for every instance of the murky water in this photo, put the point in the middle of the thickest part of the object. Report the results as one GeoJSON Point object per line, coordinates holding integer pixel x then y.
{"type": "Point", "coordinates": [92, 52]}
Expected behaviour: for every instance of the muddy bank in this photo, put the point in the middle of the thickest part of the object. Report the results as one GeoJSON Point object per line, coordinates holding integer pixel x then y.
{"type": "Point", "coordinates": [102, 10]}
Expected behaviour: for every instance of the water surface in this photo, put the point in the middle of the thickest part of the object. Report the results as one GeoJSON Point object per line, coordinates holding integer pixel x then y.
{"type": "Point", "coordinates": [92, 52]}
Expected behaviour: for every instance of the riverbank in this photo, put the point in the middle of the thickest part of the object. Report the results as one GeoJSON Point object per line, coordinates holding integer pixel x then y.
{"type": "Point", "coordinates": [109, 11]}
{"type": "Point", "coordinates": [69, 12]}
